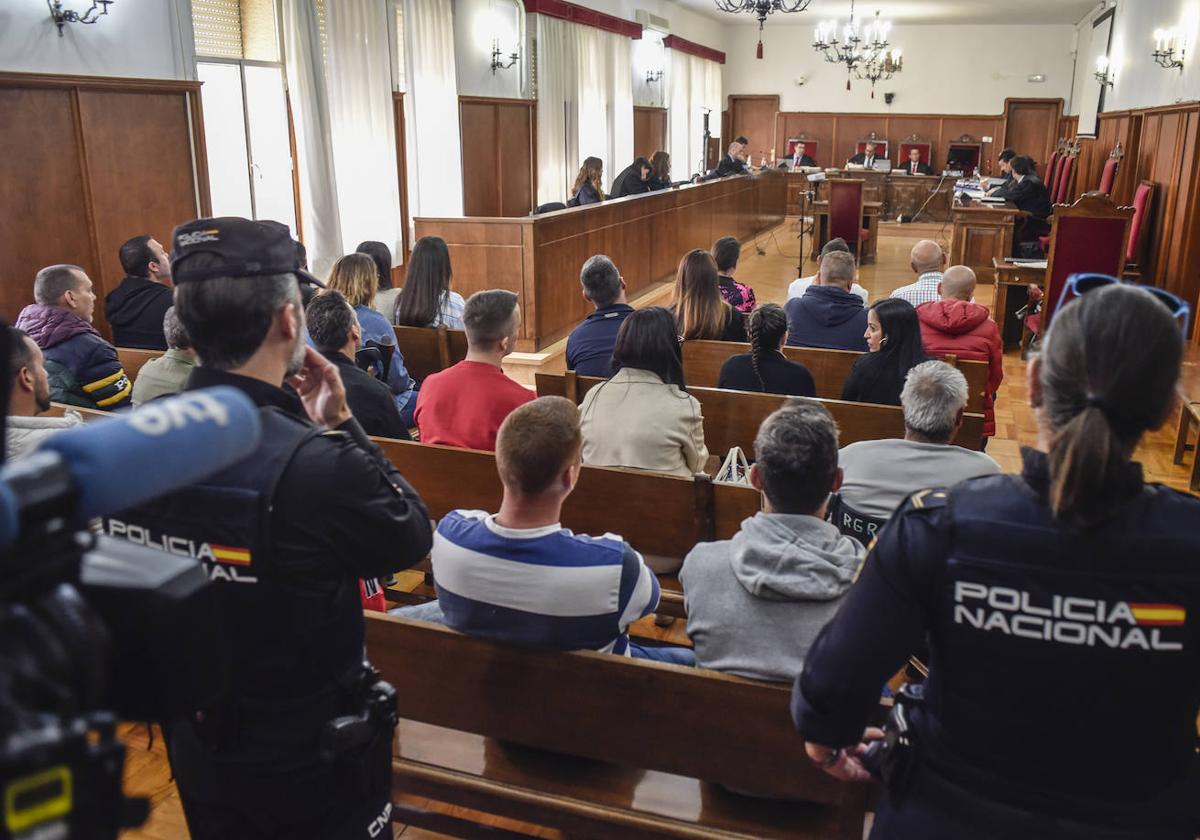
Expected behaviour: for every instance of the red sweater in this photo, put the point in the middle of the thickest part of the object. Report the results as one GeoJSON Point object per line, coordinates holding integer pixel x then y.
{"type": "Point", "coordinates": [966, 330]}
{"type": "Point", "coordinates": [464, 405]}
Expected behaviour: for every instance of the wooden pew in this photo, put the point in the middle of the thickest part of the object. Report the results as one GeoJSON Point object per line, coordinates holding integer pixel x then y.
{"type": "Point", "coordinates": [662, 516]}
{"type": "Point", "coordinates": [549, 738]}
{"type": "Point", "coordinates": [732, 418]}
{"type": "Point", "coordinates": [427, 350]}
{"type": "Point", "coordinates": [89, 415]}
{"type": "Point", "coordinates": [702, 362]}
{"type": "Point", "coordinates": [132, 359]}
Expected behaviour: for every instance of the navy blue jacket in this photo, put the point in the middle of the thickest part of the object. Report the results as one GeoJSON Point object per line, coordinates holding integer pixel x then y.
{"type": "Point", "coordinates": [96, 377]}
{"type": "Point", "coordinates": [829, 318]}
{"type": "Point", "coordinates": [590, 345]}
{"type": "Point", "coordinates": [1064, 664]}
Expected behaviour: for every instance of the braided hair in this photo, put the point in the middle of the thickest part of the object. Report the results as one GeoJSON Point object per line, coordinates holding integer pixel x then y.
{"type": "Point", "coordinates": [767, 327]}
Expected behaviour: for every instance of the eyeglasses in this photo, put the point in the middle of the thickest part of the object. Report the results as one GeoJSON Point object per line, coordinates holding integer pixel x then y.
{"type": "Point", "coordinates": [1081, 283]}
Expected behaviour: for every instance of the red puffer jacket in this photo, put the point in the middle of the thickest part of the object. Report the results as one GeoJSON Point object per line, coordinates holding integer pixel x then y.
{"type": "Point", "coordinates": [966, 330]}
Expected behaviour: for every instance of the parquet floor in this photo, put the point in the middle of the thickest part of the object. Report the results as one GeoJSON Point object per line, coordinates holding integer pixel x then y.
{"type": "Point", "coordinates": [769, 272]}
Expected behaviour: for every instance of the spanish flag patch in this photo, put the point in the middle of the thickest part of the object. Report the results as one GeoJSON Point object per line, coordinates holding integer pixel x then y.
{"type": "Point", "coordinates": [1159, 615]}
{"type": "Point", "coordinates": [232, 555]}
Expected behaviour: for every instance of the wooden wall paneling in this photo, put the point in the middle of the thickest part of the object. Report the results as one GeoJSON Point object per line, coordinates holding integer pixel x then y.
{"type": "Point", "coordinates": [902, 126]}
{"type": "Point", "coordinates": [399, 272]}
{"type": "Point", "coordinates": [42, 199]}
{"type": "Point", "coordinates": [754, 118]}
{"type": "Point", "coordinates": [1167, 156]}
{"type": "Point", "coordinates": [1031, 127]}
{"type": "Point", "coordinates": [954, 127]}
{"type": "Point", "coordinates": [1068, 126]}
{"type": "Point", "coordinates": [497, 156]}
{"type": "Point", "coordinates": [818, 127]}
{"type": "Point", "coordinates": [852, 127]}
{"type": "Point", "coordinates": [649, 130]}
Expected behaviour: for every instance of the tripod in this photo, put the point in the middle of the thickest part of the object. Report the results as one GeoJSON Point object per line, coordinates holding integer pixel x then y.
{"type": "Point", "coordinates": [806, 198]}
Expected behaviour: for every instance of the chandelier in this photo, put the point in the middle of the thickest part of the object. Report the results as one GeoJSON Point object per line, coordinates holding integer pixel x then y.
{"type": "Point", "coordinates": [855, 47]}
{"type": "Point", "coordinates": [881, 69]}
{"type": "Point", "coordinates": [762, 8]}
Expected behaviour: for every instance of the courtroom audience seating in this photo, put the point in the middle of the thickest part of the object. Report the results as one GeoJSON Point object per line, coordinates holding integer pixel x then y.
{"type": "Point", "coordinates": [765, 368]}
{"type": "Point", "coordinates": [427, 299]}
{"type": "Point", "coordinates": [590, 345]}
{"type": "Point", "coordinates": [465, 404]}
{"type": "Point", "coordinates": [643, 417]}
{"type": "Point", "coordinates": [829, 316]}
{"type": "Point", "coordinates": [879, 474]}
{"type": "Point", "coordinates": [166, 373]}
{"type": "Point", "coordinates": [894, 338]}
{"type": "Point", "coordinates": [959, 326]}
{"type": "Point", "coordinates": [756, 602]}
{"type": "Point", "coordinates": [571, 592]}
{"type": "Point", "coordinates": [700, 309]}
{"type": "Point", "coordinates": [726, 252]}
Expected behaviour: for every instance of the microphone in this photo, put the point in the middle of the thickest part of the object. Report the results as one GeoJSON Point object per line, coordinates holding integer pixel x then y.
{"type": "Point", "coordinates": [112, 465]}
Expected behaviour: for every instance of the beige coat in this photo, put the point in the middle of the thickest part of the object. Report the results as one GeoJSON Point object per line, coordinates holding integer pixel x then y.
{"type": "Point", "coordinates": [636, 420]}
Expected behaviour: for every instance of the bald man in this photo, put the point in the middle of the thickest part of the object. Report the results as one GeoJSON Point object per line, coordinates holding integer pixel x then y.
{"type": "Point", "coordinates": [734, 162]}
{"type": "Point", "coordinates": [928, 261]}
{"type": "Point", "coordinates": [956, 324]}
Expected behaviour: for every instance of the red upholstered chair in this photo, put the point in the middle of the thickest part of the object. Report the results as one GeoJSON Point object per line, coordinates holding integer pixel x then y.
{"type": "Point", "coordinates": [1051, 179]}
{"type": "Point", "coordinates": [1139, 228]}
{"type": "Point", "coordinates": [966, 154]}
{"type": "Point", "coordinates": [1062, 193]}
{"type": "Point", "coordinates": [881, 146]}
{"type": "Point", "coordinates": [846, 213]}
{"type": "Point", "coordinates": [913, 142]}
{"type": "Point", "coordinates": [810, 148]}
{"type": "Point", "coordinates": [1091, 235]}
{"type": "Point", "coordinates": [1108, 176]}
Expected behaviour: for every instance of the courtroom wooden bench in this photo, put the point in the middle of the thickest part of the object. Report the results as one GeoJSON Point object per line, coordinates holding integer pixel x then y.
{"type": "Point", "coordinates": [1189, 413]}
{"type": "Point", "coordinates": [662, 516]}
{"type": "Point", "coordinates": [132, 359]}
{"type": "Point", "coordinates": [732, 418]}
{"type": "Point", "coordinates": [596, 745]}
{"type": "Point", "coordinates": [427, 350]}
{"type": "Point", "coordinates": [702, 362]}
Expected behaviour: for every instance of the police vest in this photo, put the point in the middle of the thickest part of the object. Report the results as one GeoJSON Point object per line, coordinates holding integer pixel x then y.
{"type": "Point", "coordinates": [1066, 662]}
{"type": "Point", "coordinates": [287, 636]}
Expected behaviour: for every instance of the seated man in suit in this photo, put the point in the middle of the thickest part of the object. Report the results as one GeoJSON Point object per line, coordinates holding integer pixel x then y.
{"type": "Point", "coordinates": [518, 576]}
{"type": "Point", "coordinates": [336, 334]}
{"type": "Point", "coordinates": [865, 158]}
{"type": "Point", "coordinates": [734, 162]}
{"type": "Point", "coordinates": [1028, 193]}
{"type": "Point", "coordinates": [829, 315]}
{"type": "Point", "coordinates": [755, 603]}
{"type": "Point", "coordinates": [914, 165]}
{"type": "Point", "coordinates": [800, 156]}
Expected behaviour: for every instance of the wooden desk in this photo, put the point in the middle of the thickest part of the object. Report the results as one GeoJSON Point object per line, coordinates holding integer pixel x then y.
{"type": "Point", "coordinates": [982, 233]}
{"type": "Point", "coordinates": [1009, 274]}
{"type": "Point", "coordinates": [820, 211]}
{"type": "Point", "coordinates": [895, 193]}
{"type": "Point", "coordinates": [539, 257]}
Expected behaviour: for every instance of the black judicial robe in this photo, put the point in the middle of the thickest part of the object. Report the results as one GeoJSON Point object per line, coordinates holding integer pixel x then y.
{"type": "Point", "coordinates": [731, 166]}
{"type": "Point", "coordinates": [1029, 194]}
{"type": "Point", "coordinates": [629, 182]}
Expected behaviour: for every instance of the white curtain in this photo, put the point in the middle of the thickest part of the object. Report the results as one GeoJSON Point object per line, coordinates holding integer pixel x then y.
{"type": "Point", "coordinates": [431, 110]}
{"type": "Point", "coordinates": [692, 84]}
{"type": "Point", "coordinates": [341, 96]}
{"type": "Point", "coordinates": [585, 103]}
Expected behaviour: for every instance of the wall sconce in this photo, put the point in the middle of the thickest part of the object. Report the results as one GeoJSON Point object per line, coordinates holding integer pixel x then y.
{"type": "Point", "coordinates": [1166, 43]}
{"type": "Point", "coordinates": [1103, 74]}
{"type": "Point", "coordinates": [98, 9]}
{"type": "Point", "coordinates": [653, 76]}
{"type": "Point", "coordinates": [497, 63]}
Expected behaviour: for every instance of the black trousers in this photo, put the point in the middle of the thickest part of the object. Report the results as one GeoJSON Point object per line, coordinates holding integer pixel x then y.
{"type": "Point", "coordinates": [259, 794]}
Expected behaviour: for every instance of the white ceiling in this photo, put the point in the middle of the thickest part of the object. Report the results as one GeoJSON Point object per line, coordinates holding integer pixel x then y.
{"type": "Point", "coordinates": [917, 11]}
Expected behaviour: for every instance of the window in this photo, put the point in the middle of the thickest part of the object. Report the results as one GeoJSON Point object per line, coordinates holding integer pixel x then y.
{"type": "Point", "coordinates": [244, 97]}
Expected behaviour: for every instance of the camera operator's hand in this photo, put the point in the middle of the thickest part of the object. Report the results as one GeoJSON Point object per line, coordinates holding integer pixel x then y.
{"type": "Point", "coordinates": [321, 390]}
{"type": "Point", "coordinates": [844, 764]}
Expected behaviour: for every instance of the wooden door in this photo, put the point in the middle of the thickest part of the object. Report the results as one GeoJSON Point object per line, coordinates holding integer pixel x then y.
{"type": "Point", "coordinates": [1031, 127]}
{"type": "Point", "coordinates": [497, 155]}
{"type": "Point", "coordinates": [649, 131]}
{"type": "Point", "coordinates": [754, 118]}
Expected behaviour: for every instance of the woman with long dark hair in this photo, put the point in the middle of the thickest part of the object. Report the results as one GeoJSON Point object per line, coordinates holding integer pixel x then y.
{"type": "Point", "coordinates": [385, 294]}
{"type": "Point", "coordinates": [642, 417]}
{"type": "Point", "coordinates": [700, 311]}
{"type": "Point", "coordinates": [589, 183]}
{"type": "Point", "coordinates": [427, 300]}
{"type": "Point", "coordinates": [632, 180]}
{"type": "Point", "coordinates": [1074, 576]}
{"type": "Point", "coordinates": [660, 171]}
{"type": "Point", "coordinates": [765, 368]}
{"type": "Point", "coordinates": [894, 338]}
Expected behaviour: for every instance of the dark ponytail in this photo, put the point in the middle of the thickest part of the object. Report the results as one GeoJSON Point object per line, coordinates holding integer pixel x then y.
{"type": "Point", "coordinates": [767, 326]}
{"type": "Point", "coordinates": [1107, 375]}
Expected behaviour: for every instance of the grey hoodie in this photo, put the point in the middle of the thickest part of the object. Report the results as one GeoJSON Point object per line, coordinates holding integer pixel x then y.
{"type": "Point", "coordinates": [755, 603]}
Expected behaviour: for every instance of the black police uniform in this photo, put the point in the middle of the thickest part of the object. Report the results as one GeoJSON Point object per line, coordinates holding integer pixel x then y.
{"type": "Point", "coordinates": [1064, 674]}
{"type": "Point", "coordinates": [286, 534]}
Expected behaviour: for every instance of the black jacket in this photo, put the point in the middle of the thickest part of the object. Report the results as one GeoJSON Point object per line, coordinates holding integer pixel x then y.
{"type": "Point", "coordinates": [731, 166]}
{"type": "Point", "coordinates": [658, 183]}
{"type": "Point", "coordinates": [875, 378]}
{"type": "Point", "coordinates": [585, 195]}
{"type": "Point", "coordinates": [805, 160]}
{"type": "Point", "coordinates": [135, 311]}
{"type": "Point", "coordinates": [371, 401]}
{"type": "Point", "coordinates": [860, 159]}
{"type": "Point", "coordinates": [906, 168]}
{"type": "Point", "coordinates": [1096, 628]}
{"type": "Point", "coordinates": [782, 375]}
{"type": "Point", "coordinates": [629, 182]}
{"type": "Point", "coordinates": [1029, 194]}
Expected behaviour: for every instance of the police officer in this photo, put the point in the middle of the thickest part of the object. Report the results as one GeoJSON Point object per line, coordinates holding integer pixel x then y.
{"type": "Point", "coordinates": [286, 534]}
{"type": "Point", "coordinates": [1062, 611]}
